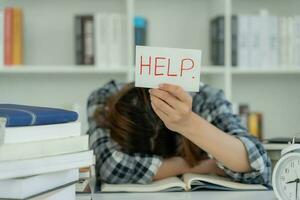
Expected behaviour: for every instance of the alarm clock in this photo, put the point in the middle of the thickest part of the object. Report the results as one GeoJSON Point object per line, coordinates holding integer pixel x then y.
{"type": "Point", "coordinates": [286, 174]}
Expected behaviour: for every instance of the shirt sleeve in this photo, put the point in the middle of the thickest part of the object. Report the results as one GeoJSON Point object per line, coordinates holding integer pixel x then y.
{"type": "Point", "coordinates": [112, 165]}
{"type": "Point", "coordinates": [218, 111]}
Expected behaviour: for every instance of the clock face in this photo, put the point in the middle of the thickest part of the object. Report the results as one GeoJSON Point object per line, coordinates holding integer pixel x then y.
{"type": "Point", "coordinates": [287, 177]}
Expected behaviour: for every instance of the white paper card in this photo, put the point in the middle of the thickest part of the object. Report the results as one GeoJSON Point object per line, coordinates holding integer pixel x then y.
{"type": "Point", "coordinates": [155, 65]}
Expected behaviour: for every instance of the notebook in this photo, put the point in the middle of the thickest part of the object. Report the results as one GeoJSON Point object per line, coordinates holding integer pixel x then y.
{"type": "Point", "coordinates": [188, 182]}
{"type": "Point", "coordinates": [23, 115]}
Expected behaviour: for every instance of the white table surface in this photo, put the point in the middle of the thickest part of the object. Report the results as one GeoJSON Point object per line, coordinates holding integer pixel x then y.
{"type": "Point", "coordinates": [207, 195]}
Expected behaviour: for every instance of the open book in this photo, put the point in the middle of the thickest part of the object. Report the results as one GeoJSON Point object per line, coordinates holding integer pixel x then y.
{"type": "Point", "coordinates": [189, 182]}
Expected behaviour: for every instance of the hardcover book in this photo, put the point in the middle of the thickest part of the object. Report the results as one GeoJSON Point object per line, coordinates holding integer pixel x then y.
{"type": "Point", "coordinates": [22, 115]}
{"type": "Point", "coordinates": [21, 134]}
{"type": "Point", "coordinates": [28, 187]}
{"type": "Point", "coordinates": [36, 166]}
{"type": "Point", "coordinates": [45, 148]}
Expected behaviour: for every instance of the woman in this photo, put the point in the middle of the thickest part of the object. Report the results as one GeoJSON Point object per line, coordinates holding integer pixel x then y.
{"type": "Point", "coordinates": [140, 135]}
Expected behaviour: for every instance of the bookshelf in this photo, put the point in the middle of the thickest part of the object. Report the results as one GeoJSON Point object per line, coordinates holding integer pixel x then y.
{"type": "Point", "coordinates": [49, 55]}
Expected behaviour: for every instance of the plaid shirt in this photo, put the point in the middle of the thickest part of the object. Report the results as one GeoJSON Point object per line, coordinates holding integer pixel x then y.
{"type": "Point", "coordinates": [114, 166]}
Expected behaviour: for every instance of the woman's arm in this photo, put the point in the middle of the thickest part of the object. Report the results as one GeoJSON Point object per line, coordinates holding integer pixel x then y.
{"type": "Point", "coordinates": [224, 147]}
{"type": "Point", "coordinates": [178, 116]}
{"type": "Point", "coordinates": [220, 133]}
{"type": "Point", "coordinates": [177, 166]}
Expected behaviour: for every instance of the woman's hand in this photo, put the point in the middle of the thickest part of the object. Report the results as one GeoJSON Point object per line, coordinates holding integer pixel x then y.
{"type": "Point", "coordinates": [173, 106]}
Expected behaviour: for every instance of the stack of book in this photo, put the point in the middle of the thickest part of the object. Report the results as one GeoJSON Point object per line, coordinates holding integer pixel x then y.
{"type": "Point", "coordinates": [83, 185]}
{"type": "Point", "coordinates": [258, 41]}
{"type": "Point", "coordinates": [41, 151]}
{"type": "Point", "coordinates": [11, 37]}
{"type": "Point", "coordinates": [98, 39]}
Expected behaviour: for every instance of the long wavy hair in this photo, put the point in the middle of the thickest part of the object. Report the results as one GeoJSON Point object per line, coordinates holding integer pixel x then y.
{"type": "Point", "coordinates": [137, 129]}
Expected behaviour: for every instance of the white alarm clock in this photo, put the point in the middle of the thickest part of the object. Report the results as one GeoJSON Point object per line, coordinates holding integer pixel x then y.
{"type": "Point", "coordinates": [286, 174]}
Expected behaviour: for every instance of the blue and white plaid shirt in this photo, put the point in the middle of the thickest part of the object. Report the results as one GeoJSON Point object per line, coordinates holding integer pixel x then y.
{"type": "Point", "coordinates": [114, 166]}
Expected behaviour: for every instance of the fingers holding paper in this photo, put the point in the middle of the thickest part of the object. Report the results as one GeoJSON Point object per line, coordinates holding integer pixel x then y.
{"type": "Point", "coordinates": [172, 104]}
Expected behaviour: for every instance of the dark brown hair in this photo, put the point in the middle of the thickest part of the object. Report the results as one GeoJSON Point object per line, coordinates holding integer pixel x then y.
{"type": "Point", "coordinates": [137, 129]}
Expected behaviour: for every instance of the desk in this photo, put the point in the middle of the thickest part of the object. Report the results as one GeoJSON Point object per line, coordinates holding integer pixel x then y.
{"type": "Point", "coordinates": [205, 195]}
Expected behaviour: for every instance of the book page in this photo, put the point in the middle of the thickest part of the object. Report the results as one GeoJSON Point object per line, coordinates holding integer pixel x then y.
{"type": "Point", "coordinates": [214, 182]}
{"type": "Point", "coordinates": [168, 184]}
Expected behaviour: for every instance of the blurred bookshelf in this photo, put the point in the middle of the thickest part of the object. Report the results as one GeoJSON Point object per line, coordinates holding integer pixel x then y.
{"type": "Point", "coordinates": [49, 54]}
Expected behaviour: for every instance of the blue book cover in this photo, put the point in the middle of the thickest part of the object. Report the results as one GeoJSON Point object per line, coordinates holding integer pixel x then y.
{"type": "Point", "coordinates": [22, 115]}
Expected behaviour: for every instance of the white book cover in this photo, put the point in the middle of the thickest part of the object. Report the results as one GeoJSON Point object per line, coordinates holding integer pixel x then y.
{"type": "Point", "coordinates": [265, 40]}
{"type": "Point", "coordinates": [242, 56]}
{"type": "Point", "coordinates": [291, 43]}
{"type": "Point", "coordinates": [38, 149]}
{"type": "Point", "coordinates": [297, 40]}
{"type": "Point", "coordinates": [115, 39]}
{"type": "Point", "coordinates": [255, 48]}
{"type": "Point", "coordinates": [283, 37]}
{"type": "Point", "coordinates": [274, 41]}
{"type": "Point", "coordinates": [14, 135]}
{"type": "Point", "coordinates": [66, 193]}
{"type": "Point", "coordinates": [22, 188]}
{"type": "Point", "coordinates": [1, 39]}
{"type": "Point", "coordinates": [101, 38]}
{"type": "Point", "coordinates": [30, 167]}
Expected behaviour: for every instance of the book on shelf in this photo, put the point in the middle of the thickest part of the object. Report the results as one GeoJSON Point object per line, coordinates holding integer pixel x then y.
{"type": "Point", "coordinates": [255, 124]}
{"type": "Point", "coordinates": [44, 148]}
{"type": "Point", "coordinates": [253, 121]}
{"type": "Point", "coordinates": [140, 30]}
{"type": "Point", "coordinates": [24, 115]}
{"type": "Point", "coordinates": [12, 48]}
{"type": "Point", "coordinates": [35, 166]}
{"type": "Point", "coordinates": [1, 39]}
{"type": "Point", "coordinates": [88, 40]}
{"type": "Point", "coordinates": [188, 182]}
{"type": "Point", "coordinates": [99, 39]}
{"type": "Point", "coordinates": [8, 33]}
{"type": "Point", "coordinates": [78, 41]}
{"type": "Point", "coordinates": [84, 40]}
{"type": "Point", "coordinates": [17, 37]}
{"type": "Point", "coordinates": [259, 41]}
{"type": "Point", "coordinates": [32, 186]}
{"type": "Point", "coordinates": [115, 32]}
{"type": "Point", "coordinates": [217, 40]}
